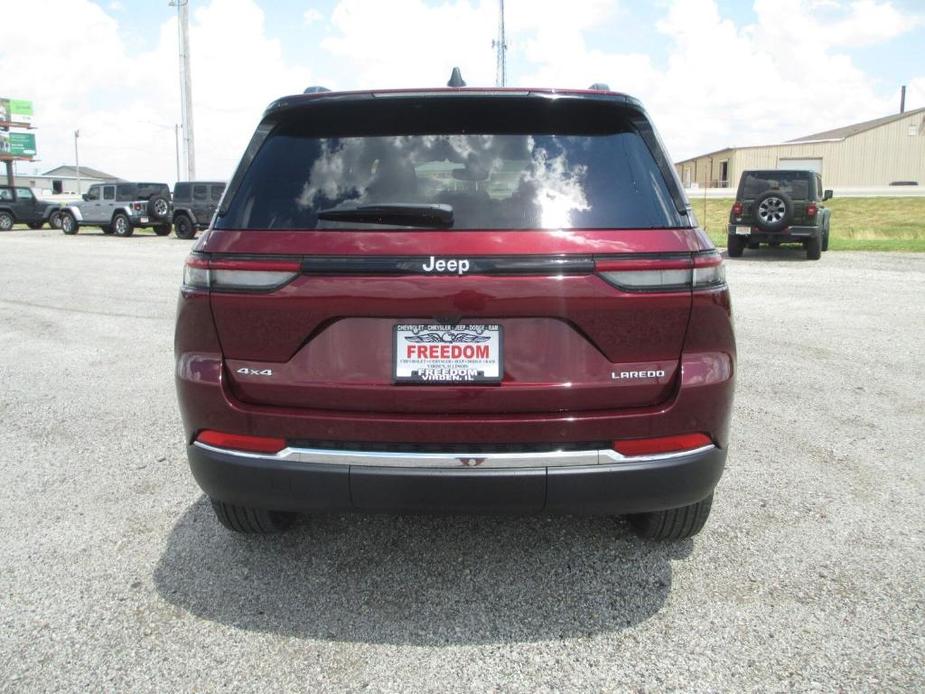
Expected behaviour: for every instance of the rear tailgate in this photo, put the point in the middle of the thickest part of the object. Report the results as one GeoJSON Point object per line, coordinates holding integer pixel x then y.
{"type": "Point", "coordinates": [571, 340]}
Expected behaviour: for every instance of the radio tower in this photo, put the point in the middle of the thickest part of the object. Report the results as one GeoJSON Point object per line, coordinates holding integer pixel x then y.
{"type": "Point", "coordinates": [501, 46]}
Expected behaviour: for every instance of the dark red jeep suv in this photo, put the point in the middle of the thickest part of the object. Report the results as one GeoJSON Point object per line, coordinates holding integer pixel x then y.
{"type": "Point", "coordinates": [463, 300]}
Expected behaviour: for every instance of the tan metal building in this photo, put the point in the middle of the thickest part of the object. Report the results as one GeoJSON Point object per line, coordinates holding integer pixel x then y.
{"type": "Point", "coordinates": [874, 153]}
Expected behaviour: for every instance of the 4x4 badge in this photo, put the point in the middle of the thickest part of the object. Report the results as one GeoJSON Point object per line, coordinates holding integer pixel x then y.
{"type": "Point", "coordinates": [244, 371]}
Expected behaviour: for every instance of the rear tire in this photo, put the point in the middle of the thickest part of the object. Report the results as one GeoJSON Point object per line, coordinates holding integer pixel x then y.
{"type": "Point", "coordinates": [183, 227]}
{"type": "Point", "coordinates": [735, 245]}
{"type": "Point", "coordinates": [6, 221]}
{"type": "Point", "coordinates": [121, 225]}
{"type": "Point", "coordinates": [162, 229]}
{"type": "Point", "coordinates": [813, 248]}
{"type": "Point", "coordinates": [825, 239]}
{"type": "Point", "coordinates": [69, 223]}
{"type": "Point", "coordinates": [54, 220]}
{"type": "Point", "coordinates": [256, 521]}
{"type": "Point", "coordinates": [673, 524]}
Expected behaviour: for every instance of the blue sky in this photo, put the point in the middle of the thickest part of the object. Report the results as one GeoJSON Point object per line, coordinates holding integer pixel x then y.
{"type": "Point", "coordinates": [630, 27]}
{"type": "Point", "coordinates": [702, 67]}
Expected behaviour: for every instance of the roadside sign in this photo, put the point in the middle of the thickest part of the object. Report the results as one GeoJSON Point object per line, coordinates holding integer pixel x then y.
{"type": "Point", "coordinates": [16, 111]}
{"type": "Point", "coordinates": [21, 144]}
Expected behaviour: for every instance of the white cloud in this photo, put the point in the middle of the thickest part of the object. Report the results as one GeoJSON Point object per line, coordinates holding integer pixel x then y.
{"type": "Point", "coordinates": [421, 52]}
{"type": "Point", "coordinates": [869, 22]}
{"type": "Point", "coordinates": [452, 33]}
{"type": "Point", "coordinates": [311, 16]}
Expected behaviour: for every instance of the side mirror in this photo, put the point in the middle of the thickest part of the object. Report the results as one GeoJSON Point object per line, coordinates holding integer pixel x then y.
{"type": "Point", "coordinates": [86, 196]}
{"type": "Point", "coordinates": [827, 195]}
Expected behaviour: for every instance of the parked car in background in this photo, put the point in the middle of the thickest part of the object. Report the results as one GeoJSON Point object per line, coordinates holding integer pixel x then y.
{"type": "Point", "coordinates": [779, 206]}
{"type": "Point", "coordinates": [120, 208]}
{"type": "Point", "coordinates": [452, 301]}
{"type": "Point", "coordinates": [21, 205]}
{"type": "Point", "coordinates": [194, 203]}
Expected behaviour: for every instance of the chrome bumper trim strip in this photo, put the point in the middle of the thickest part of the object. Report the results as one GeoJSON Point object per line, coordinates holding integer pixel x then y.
{"type": "Point", "coordinates": [451, 460]}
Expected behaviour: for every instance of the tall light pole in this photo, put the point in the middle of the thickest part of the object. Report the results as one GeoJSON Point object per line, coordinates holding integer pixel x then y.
{"type": "Point", "coordinates": [186, 88]}
{"type": "Point", "coordinates": [176, 142]}
{"type": "Point", "coordinates": [77, 160]}
{"type": "Point", "coordinates": [500, 45]}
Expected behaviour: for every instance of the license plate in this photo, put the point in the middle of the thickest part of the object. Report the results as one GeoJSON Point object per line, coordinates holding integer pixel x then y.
{"type": "Point", "coordinates": [432, 353]}
{"type": "Point", "coordinates": [144, 220]}
{"type": "Point", "coordinates": [743, 231]}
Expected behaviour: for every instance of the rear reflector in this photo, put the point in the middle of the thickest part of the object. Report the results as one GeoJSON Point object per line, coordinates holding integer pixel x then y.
{"type": "Point", "coordinates": [668, 274]}
{"type": "Point", "coordinates": [239, 442]}
{"type": "Point", "coordinates": [238, 275]}
{"type": "Point", "coordinates": [662, 444]}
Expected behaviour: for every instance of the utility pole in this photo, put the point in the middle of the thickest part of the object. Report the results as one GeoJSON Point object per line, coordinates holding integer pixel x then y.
{"type": "Point", "coordinates": [186, 88]}
{"type": "Point", "coordinates": [77, 160]}
{"type": "Point", "coordinates": [902, 100]}
{"type": "Point", "coordinates": [501, 45]}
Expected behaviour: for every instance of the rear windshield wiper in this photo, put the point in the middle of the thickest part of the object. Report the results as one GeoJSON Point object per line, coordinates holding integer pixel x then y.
{"type": "Point", "coordinates": [397, 214]}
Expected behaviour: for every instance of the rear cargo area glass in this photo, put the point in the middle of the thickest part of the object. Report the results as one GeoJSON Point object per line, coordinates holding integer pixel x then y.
{"type": "Point", "coordinates": [545, 167]}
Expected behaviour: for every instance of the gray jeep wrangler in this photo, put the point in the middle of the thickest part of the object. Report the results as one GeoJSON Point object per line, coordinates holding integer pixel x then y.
{"type": "Point", "coordinates": [194, 204]}
{"type": "Point", "coordinates": [120, 208]}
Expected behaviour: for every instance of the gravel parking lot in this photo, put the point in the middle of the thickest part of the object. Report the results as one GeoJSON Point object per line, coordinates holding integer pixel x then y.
{"type": "Point", "coordinates": [114, 574]}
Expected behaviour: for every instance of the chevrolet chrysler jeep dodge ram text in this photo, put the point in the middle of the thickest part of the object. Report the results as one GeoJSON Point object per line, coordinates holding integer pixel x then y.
{"type": "Point", "coordinates": [473, 300]}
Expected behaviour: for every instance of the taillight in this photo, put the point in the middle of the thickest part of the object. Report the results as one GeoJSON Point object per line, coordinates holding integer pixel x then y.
{"type": "Point", "coordinates": [663, 274]}
{"type": "Point", "coordinates": [238, 275]}
{"type": "Point", "coordinates": [709, 270]}
{"type": "Point", "coordinates": [138, 206]}
{"type": "Point", "coordinates": [662, 444]}
{"type": "Point", "coordinates": [737, 209]}
{"type": "Point", "coordinates": [196, 273]}
{"type": "Point", "coordinates": [811, 210]}
{"type": "Point", "coordinates": [240, 442]}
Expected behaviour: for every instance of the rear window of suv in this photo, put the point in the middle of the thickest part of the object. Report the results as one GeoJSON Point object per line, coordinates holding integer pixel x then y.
{"type": "Point", "coordinates": [796, 184]}
{"type": "Point", "coordinates": [142, 191]}
{"type": "Point", "coordinates": [577, 167]}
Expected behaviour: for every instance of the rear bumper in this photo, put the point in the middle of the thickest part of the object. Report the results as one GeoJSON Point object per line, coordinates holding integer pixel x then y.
{"type": "Point", "coordinates": [301, 483]}
{"type": "Point", "coordinates": [794, 234]}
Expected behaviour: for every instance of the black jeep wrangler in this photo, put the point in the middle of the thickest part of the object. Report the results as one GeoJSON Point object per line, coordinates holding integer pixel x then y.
{"type": "Point", "coordinates": [194, 203]}
{"type": "Point", "coordinates": [20, 205]}
{"type": "Point", "coordinates": [779, 206]}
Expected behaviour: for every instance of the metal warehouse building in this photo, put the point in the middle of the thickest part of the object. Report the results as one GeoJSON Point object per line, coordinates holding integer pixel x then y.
{"type": "Point", "coordinates": [879, 152]}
